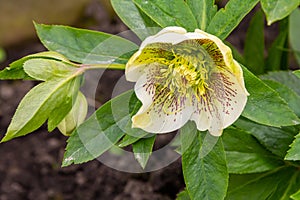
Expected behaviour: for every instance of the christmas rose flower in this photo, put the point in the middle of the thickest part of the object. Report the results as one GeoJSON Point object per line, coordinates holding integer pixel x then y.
{"type": "Point", "coordinates": [182, 76]}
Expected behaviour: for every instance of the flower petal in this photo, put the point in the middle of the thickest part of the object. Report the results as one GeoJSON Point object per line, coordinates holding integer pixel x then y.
{"type": "Point", "coordinates": [222, 106]}
{"type": "Point", "coordinates": [182, 76]}
{"type": "Point", "coordinates": [159, 122]}
{"type": "Point", "coordinates": [134, 71]}
{"type": "Point", "coordinates": [172, 34]}
{"type": "Point", "coordinates": [235, 98]}
{"type": "Point", "coordinates": [152, 117]}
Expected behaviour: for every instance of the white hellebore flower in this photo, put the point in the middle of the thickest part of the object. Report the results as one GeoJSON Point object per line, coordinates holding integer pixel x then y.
{"type": "Point", "coordinates": [183, 76]}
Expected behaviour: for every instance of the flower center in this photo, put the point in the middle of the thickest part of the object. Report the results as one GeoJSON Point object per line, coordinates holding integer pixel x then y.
{"type": "Point", "coordinates": [178, 72]}
{"type": "Point", "coordinates": [186, 71]}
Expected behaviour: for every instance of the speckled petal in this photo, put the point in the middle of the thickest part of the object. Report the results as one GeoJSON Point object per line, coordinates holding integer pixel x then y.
{"type": "Point", "coordinates": [151, 117]}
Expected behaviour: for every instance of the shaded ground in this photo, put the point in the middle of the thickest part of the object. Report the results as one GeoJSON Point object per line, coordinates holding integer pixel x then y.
{"type": "Point", "coordinates": [30, 169]}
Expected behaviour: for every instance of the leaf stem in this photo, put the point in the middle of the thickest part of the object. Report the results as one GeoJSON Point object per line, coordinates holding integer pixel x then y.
{"type": "Point", "coordinates": [102, 66]}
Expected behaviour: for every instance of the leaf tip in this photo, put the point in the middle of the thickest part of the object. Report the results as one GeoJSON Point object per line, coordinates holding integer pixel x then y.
{"type": "Point", "coordinates": [270, 21]}
{"type": "Point", "coordinates": [67, 161]}
{"type": "Point", "coordinates": [5, 139]}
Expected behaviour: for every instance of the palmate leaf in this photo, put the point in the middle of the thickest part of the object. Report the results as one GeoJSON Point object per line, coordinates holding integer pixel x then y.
{"type": "Point", "coordinates": [203, 163]}
{"type": "Point", "coordinates": [276, 140]}
{"type": "Point", "coordinates": [49, 100]}
{"type": "Point", "coordinates": [287, 94]}
{"type": "Point", "coordinates": [183, 195]}
{"type": "Point", "coordinates": [229, 17]}
{"type": "Point", "coordinates": [130, 139]}
{"type": "Point", "coordinates": [287, 78]}
{"type": "Point", "coordinates": [135, 19]}
{"type": "Point", "coordinates": [245, 155]}
{"type": "Point", "coordinates": [296, 196]}
{"type": "Point", "coordinates": [164, 13]}
{"type": "Point", "coordinates": [297, 73]}
{"type": "Point", "coordinates": [254, 44]}
{"type": "Point", "coordinates": [47, 69]}
{"type": "Point", "coordinates": [265, 106]}
{"type": "Point", "coordinates": [102, 130]}
{"type": "Point", "coordinates": [85, 46]}
{"type": "Point", "coordinates": [279, 9]}
{"type": "Point", "coordinates": [294, 152]}
{"type": "Point", "coordinates": [142, 150]}
{"type": "Point", "coordinates": [277, 58]}
{"type": "Point", "coordinates": [16, 70]}
{"type": "Point", "coordinates": [294, 31]}
{"type": "Point", "coordinates": [203, 10]}
{"type": "Point", "coordinates": [277, 184]}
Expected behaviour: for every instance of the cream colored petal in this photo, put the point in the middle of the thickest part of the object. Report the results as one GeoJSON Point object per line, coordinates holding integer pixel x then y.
{"type": "Point", "coordinates": [225, 103]}
{"type": "Point", "coordinates": [235, 101]}
{"type": "Point", "coordinates": [228, 98]}
{"type": "Point", "coordinates": [226, 52]}
{"type": "Point", "coordinates": [134, 72]}
{"type": "Point", "coordinates": [239, 75]}
{"type": "Point", "coordinates": [210, 119]}
{"type": "Point", "coordinates": [151, 117]}
{"type": "Point", "coordinates": [153, 121]}
{"type": "Point", "coordinates": [144, 95]}
{"type": "Point", "coordinates": [202, 119]}
{"type": "Point", "coordinates": [172, 34]}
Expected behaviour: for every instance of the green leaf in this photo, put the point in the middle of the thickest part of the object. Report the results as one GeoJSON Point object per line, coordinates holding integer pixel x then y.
{"type": "Point", "coordinates": [276, 140]}
{"type": "Point", "coordinates": [16, 71]}
{"type": "Point", "coordinates": [203, 163]}
{"type": "Point", "coordinates": [142, 150]}
{"type": "Point", "coordinates": [63, 107]}
{"type": "Point", "coordinates": [277, 56]}
{"type": "Point", "coordinates": [294, 32]}
{"type": "Point", "coordinates": [297, 73]}
{"type": "Point", "coordinates": [296, 196]}
{"type": "Point", "coordinates": [285, 77]}
{"type": "Point", "coordinates": [85, 46]}
{"type": "Point", "coordinates": [129, 139]}
{"type": "Point", "coordinates": [277, 184]}
{"type": "Point", "coordinates": [136, 20]}
{"type": "Point", "coordinates": [294, 152]}
{"type": "Point", "coordinates": [52, 99]}
{"type": "Point", "coordinates": [164, 13]}
{"type": "Point", "coordinates": [287, 94]}
{"type": "Point", "coordinates": [245, 155]}
{"type": "Point", "coordinates": [45, 69]}
{"type": "Point", "coordinates": [203, 11]}
{"type": "Point", "coordinates": [133, 136]}
{"type": "Point", "coordinates": [229, 17]}
{"type": "Point", "coordinates": [264, 105]}
{"type": "Point", "coordinates": [254, 44]}
{"type": "Point", "coordinates": [101, 131]}
{"type": "Point", "coordinates": [183, 195]}
{"type": "Point", "coordinates": [278, 9]}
